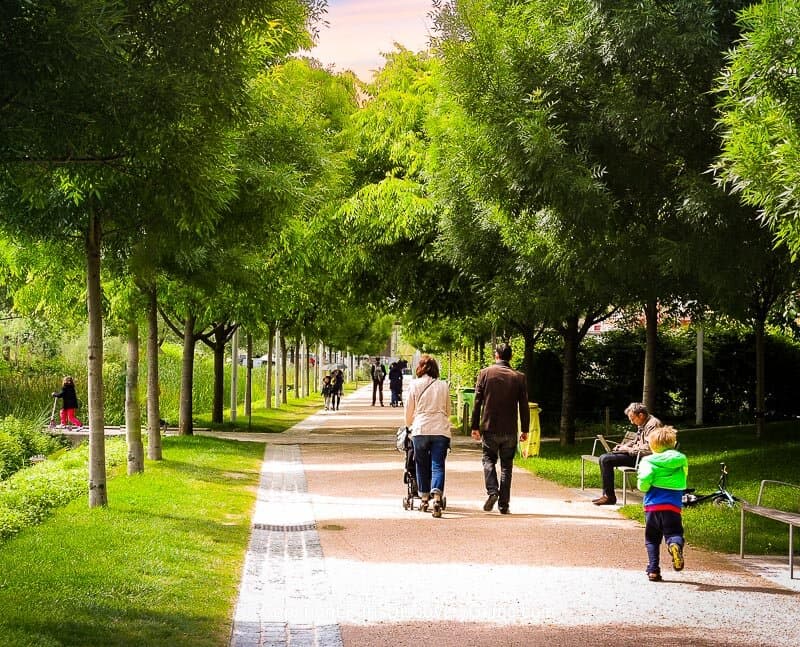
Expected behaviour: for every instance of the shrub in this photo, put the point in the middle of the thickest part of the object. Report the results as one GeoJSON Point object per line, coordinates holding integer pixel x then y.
{"type": "Point", "coordinates": [21, 439]}
{"type": "Point", "coordinates": [28, 496]}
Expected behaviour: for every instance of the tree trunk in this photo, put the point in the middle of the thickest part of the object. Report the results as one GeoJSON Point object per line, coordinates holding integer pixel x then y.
{"type": "Point", "coordinates": [760, 373]}
{"type": "Point", "coordinates": [297, 393]}
{"type": "Point", "coordinates": [248, 382]}
{"type": "Point", "coordinates": [271, 353]}
{"type": "Point", "coordinates": [217, 408]}
{"type": "Point", "coordinates": [649, 382]}
{"type": "Point", "coordinates": [527, 358]}
{"type": "Point", "coordinates": [698, 382]}
{"type": "Point", "coordinates": [133, 415]}
{"type": "Point", "coordinates": [187, 378]}
{"type": "Point", "coordinates": [98, 494]}
{"type": "Point", "coordinates": [234, 371]}
{"type": "Point", "coordinates": [284, 389]}
{"type": "Point", "coordinates": [153, 397]}
{"type": "Point", "coordinates": [307, 369]}
{"type": "Point", "coordinates": [569, 382]}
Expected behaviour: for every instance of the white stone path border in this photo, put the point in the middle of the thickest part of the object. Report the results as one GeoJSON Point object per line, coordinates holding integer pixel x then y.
{"type": "Point", "coordinates": [285, 596]}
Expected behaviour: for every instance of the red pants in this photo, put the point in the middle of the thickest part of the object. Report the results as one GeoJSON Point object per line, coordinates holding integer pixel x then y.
{"type": "Point", "coordinates": [68, 417]}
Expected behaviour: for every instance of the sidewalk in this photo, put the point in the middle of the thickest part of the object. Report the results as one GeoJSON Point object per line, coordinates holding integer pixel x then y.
{"type": "Point", "coordinates": [335, 560]}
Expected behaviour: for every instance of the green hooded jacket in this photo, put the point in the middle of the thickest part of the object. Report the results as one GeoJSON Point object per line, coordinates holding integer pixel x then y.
{"type": "Point", "coordinates": [667, 470]}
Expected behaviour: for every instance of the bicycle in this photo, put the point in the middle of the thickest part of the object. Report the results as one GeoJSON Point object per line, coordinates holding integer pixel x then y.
{"type": "Point", "coordinates": [721, 496]}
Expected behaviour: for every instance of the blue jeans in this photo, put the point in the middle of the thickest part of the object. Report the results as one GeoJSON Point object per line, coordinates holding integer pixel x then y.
{"type": "Point", "coordinates": [430, 453]}
{"type": "Point", "coordinates": [502, 448]}
{"type": "Point", "coordinates": [658, 525]}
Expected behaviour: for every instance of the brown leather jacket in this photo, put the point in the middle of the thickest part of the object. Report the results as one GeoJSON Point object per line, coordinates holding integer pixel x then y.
{"type": "Point", "coordinates": [501, 394]}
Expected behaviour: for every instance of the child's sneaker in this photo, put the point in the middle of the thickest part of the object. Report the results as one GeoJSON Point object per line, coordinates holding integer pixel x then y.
{"type": "Point", "coordinates": [654, 577]}
{"type": "Point", "coordinates": [676, 550]}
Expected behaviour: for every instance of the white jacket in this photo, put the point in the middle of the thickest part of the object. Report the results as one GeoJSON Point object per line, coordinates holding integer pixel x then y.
{"type": "Point", "coordinates": [428, 407]}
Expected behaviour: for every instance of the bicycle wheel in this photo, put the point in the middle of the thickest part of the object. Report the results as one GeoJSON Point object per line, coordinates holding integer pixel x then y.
{"type": "Point", "coordinates": [723, 499]}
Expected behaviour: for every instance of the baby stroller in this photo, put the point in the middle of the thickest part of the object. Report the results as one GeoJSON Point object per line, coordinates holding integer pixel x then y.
{"type": "Point", "coordinates": [405, 445]}
{"type": "Point", "coordinates": [397, 394]}
{"type": "Point", "coordinates": [396, 389]}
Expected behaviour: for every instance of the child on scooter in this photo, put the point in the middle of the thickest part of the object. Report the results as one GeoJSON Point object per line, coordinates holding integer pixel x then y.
{"type": "Point", "coordinates": [69, 404]}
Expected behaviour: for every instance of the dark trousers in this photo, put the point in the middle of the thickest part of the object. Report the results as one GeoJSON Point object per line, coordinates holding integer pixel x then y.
{"type": "Point", "coordinates": [502, 448]}
{"type": "Point", "coordinates": [658, 525]}
{"type": "Point", "coordinates": [607, 464]}
{"type": "Point", "coordinates": [377, 387]}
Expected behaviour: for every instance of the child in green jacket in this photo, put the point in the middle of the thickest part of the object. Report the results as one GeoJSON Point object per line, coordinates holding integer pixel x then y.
{"type": "Point", "coordinates": [662, 478]}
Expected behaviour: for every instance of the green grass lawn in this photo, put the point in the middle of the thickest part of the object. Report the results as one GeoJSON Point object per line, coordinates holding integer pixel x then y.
{"type": "Point", "coordinates": [160, 565]}
{"type": "Point", "coordinates": [749, 460]}
{"type": "Point", "coordinates": [270, 420]}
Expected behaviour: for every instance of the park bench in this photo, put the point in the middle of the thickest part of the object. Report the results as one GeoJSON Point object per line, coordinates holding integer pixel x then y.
{"type": "Point", "coordinates": [790, 518]}
{"type": "Point", "coordinates": [601, 446]}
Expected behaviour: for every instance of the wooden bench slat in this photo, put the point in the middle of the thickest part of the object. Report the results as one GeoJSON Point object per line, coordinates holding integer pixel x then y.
{"type": "Point", "coordinates": [791, 519]}
{"type": "Point", "coordinates": [772, 513]}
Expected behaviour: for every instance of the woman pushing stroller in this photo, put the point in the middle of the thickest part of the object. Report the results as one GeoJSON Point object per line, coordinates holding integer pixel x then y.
{"type": "Point", "coordinates": [427, 414]}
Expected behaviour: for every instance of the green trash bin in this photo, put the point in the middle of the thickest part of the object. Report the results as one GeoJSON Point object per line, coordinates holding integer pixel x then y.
{"type": "Point", "coordinates": [466, 402]}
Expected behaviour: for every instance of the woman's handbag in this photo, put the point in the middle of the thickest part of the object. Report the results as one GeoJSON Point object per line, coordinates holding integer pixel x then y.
{"type": "Point", "coordinates": [403, 434]}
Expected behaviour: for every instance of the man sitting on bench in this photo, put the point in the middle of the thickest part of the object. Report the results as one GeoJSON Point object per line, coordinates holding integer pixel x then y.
{"type": "Point", "coordinates": [627, 452]}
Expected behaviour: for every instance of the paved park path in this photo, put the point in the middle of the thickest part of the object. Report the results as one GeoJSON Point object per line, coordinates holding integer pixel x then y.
{"type": "Point", "coordinates": [334, 559]}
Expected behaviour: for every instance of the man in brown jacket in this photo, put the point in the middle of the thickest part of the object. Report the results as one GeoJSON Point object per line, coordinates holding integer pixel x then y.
{"type": "Point", "coordinates": [501, 398]}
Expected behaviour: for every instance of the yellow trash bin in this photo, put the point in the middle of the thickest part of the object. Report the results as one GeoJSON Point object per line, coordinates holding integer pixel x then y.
{"type": "Point", "coordinates": [530, 447]}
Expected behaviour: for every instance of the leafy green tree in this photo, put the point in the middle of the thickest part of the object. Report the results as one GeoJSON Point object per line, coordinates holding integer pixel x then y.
{"type": "Point", "coordinates": [97, 99]}
{"type": "Point", "coordinates": [760, 103]}
{"type": "Point", "coordinates": [754, 285]}
{"type": "Point", "coordinates": [599, 116]}
{"type": "Point", "coordinates": [387, 228]}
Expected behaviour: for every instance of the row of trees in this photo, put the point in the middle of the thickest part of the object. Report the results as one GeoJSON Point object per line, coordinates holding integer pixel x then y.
{"type": "Point", "coordinates": [168, 161]}
{"type": "Point", "coordinates": [544, 166]}
{"type": "Point", "coordinates": [571, 162]}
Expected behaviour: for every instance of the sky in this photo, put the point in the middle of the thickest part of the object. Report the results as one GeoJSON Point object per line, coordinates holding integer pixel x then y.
{"type": "Point", "coordinates": [359, 30]}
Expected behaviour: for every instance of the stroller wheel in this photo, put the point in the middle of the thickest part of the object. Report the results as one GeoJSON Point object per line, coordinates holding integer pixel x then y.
{"type": "Point", "coordinates": [406, 503]}
{"type": "Point", "coordinates": [444, 503]}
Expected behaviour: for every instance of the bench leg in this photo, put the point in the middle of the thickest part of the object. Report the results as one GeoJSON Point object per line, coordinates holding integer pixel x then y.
{"type": "Point", "coordinates": [791, 552]}
{"type": "Point", "coordinates": [741, 535]}
{"type": "Point", "coordinates": [583, 466]}
{"type": "Point", "coordinates": [624, 488]}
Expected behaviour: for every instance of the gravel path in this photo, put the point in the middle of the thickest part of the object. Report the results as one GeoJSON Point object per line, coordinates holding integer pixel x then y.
{"type": "Point", "coordinates": [557, 571]}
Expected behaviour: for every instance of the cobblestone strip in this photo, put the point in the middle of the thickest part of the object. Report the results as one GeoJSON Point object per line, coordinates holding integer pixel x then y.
{"type": "Point", "coordinates": [285, 598]}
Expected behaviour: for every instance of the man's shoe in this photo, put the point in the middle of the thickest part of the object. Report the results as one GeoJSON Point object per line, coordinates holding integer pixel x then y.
{"type": "Point", "coordinates": [604, 500]}
{"type": "Point", "coordinates": [505, 510]}
{"type": "Point", "coordinates": [676, 550]}
{"type": "Point", "coordinates": [487, 507]}
{"type": "Point", "coordinates": [654, 577]}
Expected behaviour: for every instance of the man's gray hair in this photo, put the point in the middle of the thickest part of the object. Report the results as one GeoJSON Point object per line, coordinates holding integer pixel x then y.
{"type": "Point", "coordinates": [637, 409]}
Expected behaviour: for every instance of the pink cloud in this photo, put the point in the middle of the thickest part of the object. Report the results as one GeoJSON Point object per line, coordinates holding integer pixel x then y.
{"type": "Point", "coordinates": [360, 30]}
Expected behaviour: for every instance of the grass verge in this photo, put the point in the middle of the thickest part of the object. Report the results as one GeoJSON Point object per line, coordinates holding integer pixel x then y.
{"type": "Point", "coordinates": [159, 566]}
{"type": "Point", "coordinates": [749, 460]}
{"type": "Point", "coordinates": [270, 420]}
